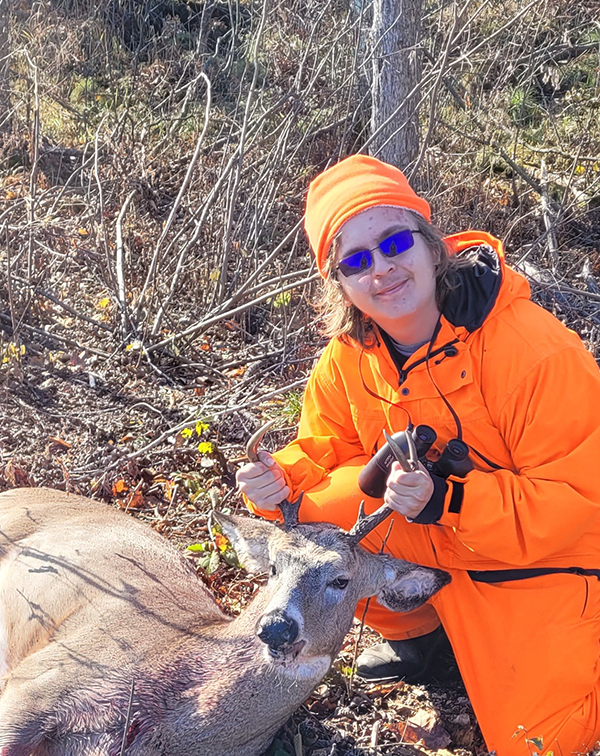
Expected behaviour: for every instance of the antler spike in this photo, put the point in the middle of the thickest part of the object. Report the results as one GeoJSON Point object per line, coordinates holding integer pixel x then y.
{"type": "Point", "coordinates": [410, 463]}
{"type": "Point", "coordinates": [255, 439]}
{"type": "Point", "coordinates": [289, 509]}
{"type": "Point", "coordinates": [413, 455]}
{"type": "Point", "coordinates": [366, 523]}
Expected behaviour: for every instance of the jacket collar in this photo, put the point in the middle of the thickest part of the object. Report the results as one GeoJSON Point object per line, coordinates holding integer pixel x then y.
{"type": "Point", "coordinates": [477, 288]}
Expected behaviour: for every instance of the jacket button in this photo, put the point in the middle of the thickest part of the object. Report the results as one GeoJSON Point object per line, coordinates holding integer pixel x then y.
{"type": "Point", "coordinates": [405, 392]}
{"type": "Point", "coordinates": [463, 374]}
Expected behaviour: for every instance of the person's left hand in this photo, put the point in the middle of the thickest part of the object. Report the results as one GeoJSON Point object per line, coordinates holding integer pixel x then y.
{"type": "Point", "coordinates": [408, 492]}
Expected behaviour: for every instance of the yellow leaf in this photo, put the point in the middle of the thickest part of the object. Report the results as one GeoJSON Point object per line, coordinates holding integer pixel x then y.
{"type": "Point", "coordinates": [104, 302]}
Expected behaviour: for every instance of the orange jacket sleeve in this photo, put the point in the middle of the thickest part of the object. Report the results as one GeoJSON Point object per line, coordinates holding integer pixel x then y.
{"type": "Point", "coordinates": [551, 423]}
{"type": "Point", "coordinates": [326, 434]}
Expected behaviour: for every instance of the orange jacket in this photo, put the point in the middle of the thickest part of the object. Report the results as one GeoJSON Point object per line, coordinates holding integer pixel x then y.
{"type": "Point", "coordinates": [528, 396]}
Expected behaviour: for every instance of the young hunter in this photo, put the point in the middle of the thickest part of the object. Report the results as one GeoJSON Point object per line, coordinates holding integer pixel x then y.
{"type": "Point", "coordinates": [439, 331]}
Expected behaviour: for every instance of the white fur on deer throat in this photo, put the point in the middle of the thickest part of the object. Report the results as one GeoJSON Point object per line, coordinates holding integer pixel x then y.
{"type": "Point", "coordinates": [303, 667]}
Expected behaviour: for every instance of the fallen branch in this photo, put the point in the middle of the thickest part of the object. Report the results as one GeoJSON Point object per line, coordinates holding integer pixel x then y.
{"type": "Point", "coordinates": [190, 422]}
{"type": "Point", "coordinates": [41, 293]}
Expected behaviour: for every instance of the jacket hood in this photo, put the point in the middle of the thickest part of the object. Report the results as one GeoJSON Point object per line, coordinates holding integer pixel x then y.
{"type": "Point", "coordinates": [484, 287]}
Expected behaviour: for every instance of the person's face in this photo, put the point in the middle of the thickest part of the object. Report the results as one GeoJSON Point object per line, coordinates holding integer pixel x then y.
{"type": "Point", "coordinates": [397, 293]}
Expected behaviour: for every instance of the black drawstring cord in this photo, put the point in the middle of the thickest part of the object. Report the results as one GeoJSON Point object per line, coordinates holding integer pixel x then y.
{"type": "Point", "coordinates": [377, 396]}
{"type": "Point", "coordinates": [451, 409]}
{"type": "Point", "coordinates": [455, 416]}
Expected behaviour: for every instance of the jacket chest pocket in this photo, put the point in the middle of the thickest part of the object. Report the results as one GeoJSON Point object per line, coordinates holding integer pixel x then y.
{"type": "Point", "coordinates": [478, 428]}
{"type": "Point", "coordinates": [369, 423]}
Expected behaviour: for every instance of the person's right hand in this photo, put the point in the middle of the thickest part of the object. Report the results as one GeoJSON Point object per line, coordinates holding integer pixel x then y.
{"type": "Point", "coordinates": [263, 482]}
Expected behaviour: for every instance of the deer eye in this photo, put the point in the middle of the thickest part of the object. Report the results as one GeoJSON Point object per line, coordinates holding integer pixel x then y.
{"type": "Point", "coordinates": [339, 583]}
{"type": "Point", "coordinates": [272, 570]}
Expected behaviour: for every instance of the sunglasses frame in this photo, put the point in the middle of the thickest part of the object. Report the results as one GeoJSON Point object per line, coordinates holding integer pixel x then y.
{"type": "Point", "coordinates": [382, 247]}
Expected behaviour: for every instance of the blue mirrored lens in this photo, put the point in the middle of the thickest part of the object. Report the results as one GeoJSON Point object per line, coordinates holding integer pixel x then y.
{"type": "Point", "coordinates": [397, 243]}
{"type": "Point", "coordinates": [356, 262]}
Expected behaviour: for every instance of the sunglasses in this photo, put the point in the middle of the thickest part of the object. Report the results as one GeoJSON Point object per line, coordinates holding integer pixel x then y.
{"type": "Point", "coordinates": [391, 246]}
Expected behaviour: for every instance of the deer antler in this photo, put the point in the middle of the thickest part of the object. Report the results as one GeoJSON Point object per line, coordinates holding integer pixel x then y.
{"type": "Point", "coordinates": [410, 463]}
{"type": "Point", "coordinates": [289, 509]}
{"type": "Point", "coordinates": [366, 523]}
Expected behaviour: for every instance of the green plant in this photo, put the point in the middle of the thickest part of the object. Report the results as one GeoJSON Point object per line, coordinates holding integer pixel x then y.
{"type": "Point", "coordinates": [523, 109]}
{"type": "Point", "coordinates": [292, 406]}
{"type": "Point", "coordinates": [213, 551]}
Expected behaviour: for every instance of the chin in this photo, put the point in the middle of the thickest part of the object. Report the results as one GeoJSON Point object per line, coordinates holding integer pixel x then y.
{"type": "Point", "coordinates": [293, 661]}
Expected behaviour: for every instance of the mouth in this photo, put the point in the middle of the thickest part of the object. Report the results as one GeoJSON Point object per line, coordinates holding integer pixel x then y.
{"type": "Point", "coordinates": [393, 289]}
{"type": "Point", "coordinates": [286, 655]}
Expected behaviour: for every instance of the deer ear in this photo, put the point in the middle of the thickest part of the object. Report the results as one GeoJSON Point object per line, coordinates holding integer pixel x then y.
{"type": "Point", "coordinates": [406, 586]}
{"type": "Point", "coordinates": [249, 538]}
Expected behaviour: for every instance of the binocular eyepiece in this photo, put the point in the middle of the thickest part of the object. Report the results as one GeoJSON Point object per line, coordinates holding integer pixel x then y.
{"type": "Point", "coordinates": [454, 460]}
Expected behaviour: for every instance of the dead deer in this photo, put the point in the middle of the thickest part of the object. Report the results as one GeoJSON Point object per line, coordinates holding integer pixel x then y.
{"type": "Point", "coordinates": [110, 643]}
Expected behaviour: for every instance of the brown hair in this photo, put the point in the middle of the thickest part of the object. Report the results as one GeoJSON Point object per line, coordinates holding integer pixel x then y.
{"type": "Point", "coordinates": [347, 322]}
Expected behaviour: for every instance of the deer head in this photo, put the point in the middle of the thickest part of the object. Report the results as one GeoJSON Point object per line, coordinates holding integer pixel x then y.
{"type": "Point", "coordinates": [317, 574]}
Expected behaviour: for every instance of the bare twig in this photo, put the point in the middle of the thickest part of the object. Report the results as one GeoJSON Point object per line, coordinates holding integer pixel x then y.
{"type": "Point", "coordinates": [549, 219]}
{"type": "Point", "coordinates": [433, 97]}
{"type": "Point", "coordinates": [49, 335]}
{"type": "Point", "coordinates": [122, 295]}
{"type": "Point", "coordinates": [242, 145]}
{"type": "Point", "coordinates": [184, 186]}
{"type": "Point", "coordinates": [33, 176]}
{"type": "Point", "coordinates": [102, 221]}
{"type": "Point", "coordinates": [206, 323]}
{"type": "Point", "coordinates": [63, 305]}
{"type": "Point", "coordinates": [9, 280]}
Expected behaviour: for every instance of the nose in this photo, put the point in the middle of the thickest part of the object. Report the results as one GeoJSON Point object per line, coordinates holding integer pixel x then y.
{"type": "Point", "coordinates": [381, 263]}
{"type": "Point", "coordinates": [277, 630]}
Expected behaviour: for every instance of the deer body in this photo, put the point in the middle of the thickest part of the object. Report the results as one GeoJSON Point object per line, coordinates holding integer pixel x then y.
{"type": "Point", "coordinates": [96, 608]}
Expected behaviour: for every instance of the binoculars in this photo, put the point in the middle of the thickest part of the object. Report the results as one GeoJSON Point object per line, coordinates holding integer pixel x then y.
{"type": "Point", "coordinates": [454, 460]}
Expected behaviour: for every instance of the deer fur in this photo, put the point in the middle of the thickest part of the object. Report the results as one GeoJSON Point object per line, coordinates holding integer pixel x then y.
{"type": "Point", "coordinates": [97, 608]}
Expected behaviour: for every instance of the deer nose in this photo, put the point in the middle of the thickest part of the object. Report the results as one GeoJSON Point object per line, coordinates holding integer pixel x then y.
{"type": "Point", "coordinates": [277, 630]}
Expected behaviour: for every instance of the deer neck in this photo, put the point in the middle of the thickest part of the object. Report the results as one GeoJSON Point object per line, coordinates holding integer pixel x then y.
{"type": "Point", "coordinates": [240, 697]}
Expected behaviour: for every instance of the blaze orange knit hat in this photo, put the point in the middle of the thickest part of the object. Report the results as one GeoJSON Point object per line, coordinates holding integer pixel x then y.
{"type": "Point", "coordinates": [348, 188]}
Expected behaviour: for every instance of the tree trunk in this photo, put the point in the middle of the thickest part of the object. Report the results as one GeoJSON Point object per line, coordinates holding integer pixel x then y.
{"type": "Point", "coordinates": [396, 33]}
{"type": "Point", "coordinates": [5, 113]}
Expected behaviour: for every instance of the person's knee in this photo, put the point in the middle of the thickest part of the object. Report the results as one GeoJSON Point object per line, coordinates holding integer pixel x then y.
{"type": "Point", "coordinates": [574, 729]}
